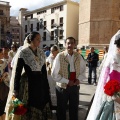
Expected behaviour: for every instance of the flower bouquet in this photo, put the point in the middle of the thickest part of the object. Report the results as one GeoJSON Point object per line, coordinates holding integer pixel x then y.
{"type": "Point", "coordinates": [19, 108]}
{"type": "Point", "coordinates": [111, 92]}
{"type": "Point", "coordinates": [112, 88]}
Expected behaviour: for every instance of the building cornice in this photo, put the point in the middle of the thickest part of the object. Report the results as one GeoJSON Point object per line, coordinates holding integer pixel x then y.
{"type": "Point", "coordinates": [5, 6]}
{"type": "Point", "coordinates": [51, 6]}
{"type": "Point", "coordinates": [22, 9]}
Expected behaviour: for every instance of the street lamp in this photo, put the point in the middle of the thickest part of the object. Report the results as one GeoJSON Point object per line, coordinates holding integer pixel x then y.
{"type": "Point", "coordinates": [41, 24]}
{"type": "Point", "coordinates": [56, 34]}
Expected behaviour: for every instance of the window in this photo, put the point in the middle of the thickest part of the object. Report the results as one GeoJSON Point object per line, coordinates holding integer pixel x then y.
{"type": "Point", "coordinates": [57, 8]}
{"type": "Point", "coordinates": [61, 8]}
{"type": "Point", "coordinates": [61, 34]}
{"type": "Point", "coordinates": [44, 36]}
{"type": "Point", "coordinates": [17, 30]}
{"type": "Point", "coordinates": [61, 37]}
{"type": "Point", "coordinates": [2, 29]}
{"type": "Point", "coordinates": [61, 46]}
{"type": "Point", "coordinates": [25, 17]}
{"type": "Point", "coordinates": [52, 23]}
{"type": "Point", "coordinates": [31, 27]}
{"type": "Point", "coordinates": [61, 21]}
{"type": "Point", "coordinates": [18, 37]}
{"type": "Point", "coordinates": [52, 10]}
{"type": "Point", "coordinates": [52, 35]}
{"type": "Point", "coordinates": [41, 12]}
{"type": "Point", "coordinates": [38, 27]}
{"type": "Point", "coordinates": [31, 16]}
{"type": "Point", "coordinates": [25, 28]}
{"type": "Point", "coordinates": [1, 12]}
{"type": "Point", "coordinates": [44, 25]}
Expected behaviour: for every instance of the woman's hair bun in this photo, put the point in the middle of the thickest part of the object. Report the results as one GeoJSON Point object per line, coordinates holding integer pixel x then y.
{"type": "Point", "coordinates": [117, 41]}
{"type": "Point", "coordinates": [31, 36]}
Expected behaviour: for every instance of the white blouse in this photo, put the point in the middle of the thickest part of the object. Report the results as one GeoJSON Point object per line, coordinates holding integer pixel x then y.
{"type": "Point", "coordinates": [56, 67]}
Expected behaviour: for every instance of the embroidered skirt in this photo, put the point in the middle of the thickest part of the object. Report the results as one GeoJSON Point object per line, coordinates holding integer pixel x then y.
{"type": "Point", "coordinates": [32, 113]}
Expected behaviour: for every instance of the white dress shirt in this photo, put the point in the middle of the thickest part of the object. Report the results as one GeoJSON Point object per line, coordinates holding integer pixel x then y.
{"type": "Point", "coordinates": [56, 67]}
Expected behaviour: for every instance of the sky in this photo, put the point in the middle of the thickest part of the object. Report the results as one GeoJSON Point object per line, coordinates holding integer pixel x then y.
{"type": "Point", "coordinates": [29, 4]}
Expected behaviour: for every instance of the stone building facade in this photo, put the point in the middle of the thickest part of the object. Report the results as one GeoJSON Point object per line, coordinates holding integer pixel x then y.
{"type": "Point", "coordinates": [15, 30]}
{"type": "Point", "coordinates": [4, 23]}
{"type": "Point", "coordinates": [99, 20]}
{"type": "Point", "coordinates": [59, 18]}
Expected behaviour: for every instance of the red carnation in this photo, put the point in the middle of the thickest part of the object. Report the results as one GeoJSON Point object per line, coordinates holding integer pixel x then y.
{"type": "Point", "coordinates": [20, 110]}
{"type": "Point", "coordinates": [19, 107]}
{"type": "Point", "coordinates": [112, 87]}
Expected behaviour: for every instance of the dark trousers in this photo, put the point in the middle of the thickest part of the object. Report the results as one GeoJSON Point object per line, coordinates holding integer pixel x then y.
{"type": "Point", "coordinates": [92, 69]}
{"type": "Point", "coordinates": [70, 94]}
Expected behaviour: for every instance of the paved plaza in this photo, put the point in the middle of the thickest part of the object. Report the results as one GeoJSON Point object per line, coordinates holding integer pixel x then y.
{"type": "Point", "coordinates": [86, 94]}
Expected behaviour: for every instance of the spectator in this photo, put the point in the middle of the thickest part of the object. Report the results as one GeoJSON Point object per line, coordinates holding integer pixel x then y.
{"type": "Point", "coordinates": [47, 51]}
{"type": "Point", "coordinates": [92, 60]}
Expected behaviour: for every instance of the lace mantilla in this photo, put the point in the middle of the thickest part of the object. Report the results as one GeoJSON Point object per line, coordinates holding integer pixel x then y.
{"type": "Point", "coordinates": [34, 62]}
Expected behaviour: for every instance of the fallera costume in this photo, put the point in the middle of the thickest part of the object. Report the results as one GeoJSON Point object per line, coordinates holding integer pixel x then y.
{"type": "Point", "coordinates": [35, 83]}
{"type": "Point", "coordinates": [104, 107]}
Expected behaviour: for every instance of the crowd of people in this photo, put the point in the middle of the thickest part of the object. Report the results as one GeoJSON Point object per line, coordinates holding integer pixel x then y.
{"type": "Point", "coordinates": [50, 79]}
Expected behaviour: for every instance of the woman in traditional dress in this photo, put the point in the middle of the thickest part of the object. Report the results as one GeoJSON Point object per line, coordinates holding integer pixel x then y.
{"type": "Point", "coordinates": [32, 59]}
{"type": "Point", "coordinates": [4, 85]}
{"type": "Point", "coordinates": [105, 107]}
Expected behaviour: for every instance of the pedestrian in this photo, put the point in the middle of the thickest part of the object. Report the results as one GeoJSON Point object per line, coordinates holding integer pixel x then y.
{"type": "Point", "coordinates": [68, 70]}
{"type": "Point", "coordinates": [106, 107]}
{"type": "Point", "coordinates": [47, 51]}
{"type": "Point", "coordinates": [5, 53]}
{"type": "Point", "coordinates": [104, 58]}
{"type": "Point", "coordinates": [32, 58]}
{"type": "Point", "coordinates": [4, 85]}
{"type": "Point", "coordinates": [92, 60]}
{"type": "Point", "coordinates": [13, 51]}
{"type": "Point", "coordinates": [49, 61]}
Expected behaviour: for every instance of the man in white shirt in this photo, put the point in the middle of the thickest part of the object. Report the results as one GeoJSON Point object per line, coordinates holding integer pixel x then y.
{"type": "Point", "coordinates": [68, 70]}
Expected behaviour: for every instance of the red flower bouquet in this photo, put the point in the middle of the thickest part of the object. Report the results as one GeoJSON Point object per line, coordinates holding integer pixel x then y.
{"type": "Point", "coordinates": [19, 107]}
{"type": "Point", "coordinates": [112, 87]}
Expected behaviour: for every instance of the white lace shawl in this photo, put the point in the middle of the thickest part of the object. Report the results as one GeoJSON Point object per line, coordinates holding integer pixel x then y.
{"type": "Point", "coordinates": [14, 64]}
{"type": "Point", "coordinates": [29, 58]}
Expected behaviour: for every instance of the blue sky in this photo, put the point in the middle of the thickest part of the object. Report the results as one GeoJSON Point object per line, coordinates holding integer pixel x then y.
{"type": "Point", "coordinates": [29, 4]}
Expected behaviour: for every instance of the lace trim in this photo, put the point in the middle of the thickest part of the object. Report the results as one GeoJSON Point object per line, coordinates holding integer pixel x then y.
{"type": "Point", "coordinates": [30, 59]}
